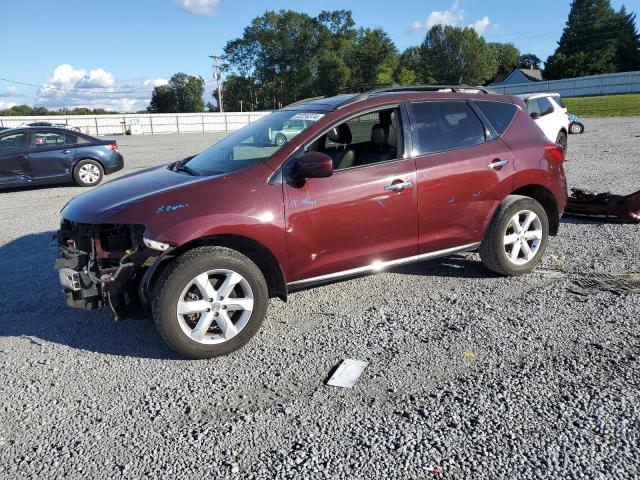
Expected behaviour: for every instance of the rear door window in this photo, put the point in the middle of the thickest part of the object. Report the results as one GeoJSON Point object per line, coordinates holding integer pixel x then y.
{"type": "Point", "coordinates": [41, 139]}
{"type": "Point", "coordinates": [499, 114]}
{"type": "Point", "coordinates": [446, 125]}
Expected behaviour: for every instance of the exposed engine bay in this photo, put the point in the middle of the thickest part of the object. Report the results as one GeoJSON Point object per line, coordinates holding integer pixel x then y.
{"type": "Point", "coordinates": [103, 265]}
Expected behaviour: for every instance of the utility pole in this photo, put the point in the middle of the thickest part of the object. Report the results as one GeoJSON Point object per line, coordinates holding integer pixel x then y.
{"type": "Point", "coordinates": [217, 75]}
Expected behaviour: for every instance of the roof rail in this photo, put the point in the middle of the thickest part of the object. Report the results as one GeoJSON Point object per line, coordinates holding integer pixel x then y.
{"type": "Point", "coordinates": [304, 100]}
{"type": "Point", "coordinates": [414, 88]}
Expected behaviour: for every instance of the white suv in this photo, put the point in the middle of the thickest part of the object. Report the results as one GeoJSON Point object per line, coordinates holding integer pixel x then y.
{"type": "Point", "coordinates": [550, 114]}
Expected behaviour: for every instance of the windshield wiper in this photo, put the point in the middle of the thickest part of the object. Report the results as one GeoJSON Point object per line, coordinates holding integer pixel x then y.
{"type": "Point", "coordinates": [182, 167]}
{"type": "Point", "coordinates": [185, 168]}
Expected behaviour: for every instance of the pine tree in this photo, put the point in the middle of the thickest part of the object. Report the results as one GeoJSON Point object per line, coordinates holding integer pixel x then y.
{"type": "Point", "coordinates": [629, 41]}
{"type": "Point", "coordinates": [596, 39]}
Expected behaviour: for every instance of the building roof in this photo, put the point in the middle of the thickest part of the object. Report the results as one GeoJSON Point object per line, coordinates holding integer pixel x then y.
{"type": "Point", "coordinates": [530, 75]}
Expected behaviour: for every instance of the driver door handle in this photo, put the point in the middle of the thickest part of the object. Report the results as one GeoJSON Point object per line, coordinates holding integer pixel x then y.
{"type": "Point", "coordinates": [498, 164]}
{"type": "Point", "coordinates": [396, 187]}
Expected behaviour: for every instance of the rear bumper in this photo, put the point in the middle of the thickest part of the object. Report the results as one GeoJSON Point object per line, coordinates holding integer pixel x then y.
{"type": "Point", "coordinates": [114, 164]}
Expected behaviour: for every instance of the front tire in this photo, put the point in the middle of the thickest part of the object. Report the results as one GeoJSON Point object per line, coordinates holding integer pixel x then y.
{"type": "Point", "coordinates": [210, 302]}
{"type": "Point", "coordinates": [516, 238]}
{"type": "Point", "coordinates": [88, 173]}
{"type": "Point", "coordinates": [576, 128]}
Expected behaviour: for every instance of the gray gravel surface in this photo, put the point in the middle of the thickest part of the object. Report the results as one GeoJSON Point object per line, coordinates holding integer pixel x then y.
{"type": "Point", "coordinates": [486, 377]}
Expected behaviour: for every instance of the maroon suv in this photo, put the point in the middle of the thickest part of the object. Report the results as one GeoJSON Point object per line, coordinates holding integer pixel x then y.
{"type": "Point", "coordinates": [369, 181]}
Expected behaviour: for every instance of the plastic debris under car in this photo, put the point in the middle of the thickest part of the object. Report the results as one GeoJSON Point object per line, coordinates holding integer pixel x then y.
{"type": "Point", "coordinates": [619, 283]}
{"type": "Point", "coordinates": [604, 205]}
{"type": "Point", "coordinates": [347, 373]}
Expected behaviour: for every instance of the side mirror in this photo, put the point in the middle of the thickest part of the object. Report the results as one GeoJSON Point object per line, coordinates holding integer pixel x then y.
{"type": "Point", "coordinates": [535, 115]}
{"type": "Point", "coordinates": [314, 165]}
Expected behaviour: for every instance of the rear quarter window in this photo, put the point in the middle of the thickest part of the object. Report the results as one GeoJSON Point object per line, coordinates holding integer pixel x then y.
{"type": "Point", "coordinates": [500, 115]}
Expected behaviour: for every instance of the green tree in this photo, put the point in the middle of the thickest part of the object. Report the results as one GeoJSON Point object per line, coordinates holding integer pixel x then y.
{"type": "Point", "coordinates": [188, 91]}
{"type": "Point", "coordinates": [374, 57]}
{"type": "Point", "coordinates": [596, 39]}
{"type": "Point", "coordinates": [275, 49]}
{"type": "Point", "coordinates": [163, 100]}
{"type": "Point", "coordinates": [507, 56]}
{"type": "Point", "coordinates": [183, 94]}
{"type": "Point", "coordinates": [628, 41]}
{"type": "Point", "coordinates": [455, 55]}
{"type": "Point", "coordinates": [527, 60]}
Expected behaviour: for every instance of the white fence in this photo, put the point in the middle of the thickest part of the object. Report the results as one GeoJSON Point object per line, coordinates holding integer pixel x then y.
{"type": "Point", "coordinates": [606, 84]}
{"type": "Point", "coordinates": [156, 123]}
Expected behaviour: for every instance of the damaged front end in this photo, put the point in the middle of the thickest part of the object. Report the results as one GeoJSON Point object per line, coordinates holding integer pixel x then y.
{"type": "Point", "coordinates": [103, 265]}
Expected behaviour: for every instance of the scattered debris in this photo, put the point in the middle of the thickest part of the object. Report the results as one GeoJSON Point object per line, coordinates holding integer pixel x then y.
{"type": "Point", "coordinates": [619, 283]}
{"type": "Point", "coordinates": [606, 205]}
{"type": "Point", "coordinates": [437, 470]}
{"type": "Point", "coordinates": [347, 373]}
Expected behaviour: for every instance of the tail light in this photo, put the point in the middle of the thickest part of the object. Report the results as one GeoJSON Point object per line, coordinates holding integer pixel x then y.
{"type": "Point", "coordinates": [555, 151]}
{"type": "Point", "coordinates": [113, 146]}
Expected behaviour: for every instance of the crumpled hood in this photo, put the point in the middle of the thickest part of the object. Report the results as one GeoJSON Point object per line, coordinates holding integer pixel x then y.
{"type": "Point", "coordinates": [131, 198]}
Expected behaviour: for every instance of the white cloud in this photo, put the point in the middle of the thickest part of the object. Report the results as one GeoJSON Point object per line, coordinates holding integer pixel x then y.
{"type": "Point", "coordinates": [452, 17]}
{"type": "Point", "coordinates": [151, 82]}
{"type": "Point", "coordinates": [481, 25]}
{"type": "Point", "coordinates": [71, 87]}
{"type": "Point", "coordinates": [198, 7]}
{"type": "Point", "coordinates": [4, 105]}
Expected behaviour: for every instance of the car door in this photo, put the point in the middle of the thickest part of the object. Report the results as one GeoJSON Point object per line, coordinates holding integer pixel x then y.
{"type": "Point", "coordinates": [463, 173]}
{"type": "Point", "coordinates": [359, 217]}
{"type": "Point", "coordinates": [50, 154]}
{"type": "Point", "coordinates": [14, 165]}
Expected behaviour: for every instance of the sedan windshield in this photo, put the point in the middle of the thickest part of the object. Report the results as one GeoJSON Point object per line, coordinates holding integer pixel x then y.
{"type": "Point", "coordinates": [251, 144]}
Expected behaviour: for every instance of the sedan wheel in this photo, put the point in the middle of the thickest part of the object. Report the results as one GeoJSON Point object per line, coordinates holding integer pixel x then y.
{"type": "Point", "coordinates": [215, 306]}
{"type": "Point", "coordinates": [280, 139]}
{"type": "Point", "coordinates": [88, 173]}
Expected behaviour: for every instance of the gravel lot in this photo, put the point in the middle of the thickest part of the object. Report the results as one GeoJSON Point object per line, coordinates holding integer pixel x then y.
{"type": "Point", "coordinates": [486, 377]}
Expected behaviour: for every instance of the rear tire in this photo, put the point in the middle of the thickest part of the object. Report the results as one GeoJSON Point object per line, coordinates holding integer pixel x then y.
{"type": "Point", "coordinates": [88, 173]}
{"type": "Point", "coordinates": [214, 326]}
{"type": "Point", "coordinates": [518, 220]}
{"type": "Point", "coordinates": [562, 140]}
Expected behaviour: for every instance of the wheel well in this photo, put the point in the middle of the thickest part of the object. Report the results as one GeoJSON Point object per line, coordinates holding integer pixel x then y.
{"type": "Point", "coordinates": [255, 251]}
{"type": "Point", "coordinates": [545, 198]}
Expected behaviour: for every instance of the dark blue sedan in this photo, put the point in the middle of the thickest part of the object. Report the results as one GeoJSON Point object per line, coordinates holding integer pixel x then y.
{"type": "Point", "coordinates": [40, 155]}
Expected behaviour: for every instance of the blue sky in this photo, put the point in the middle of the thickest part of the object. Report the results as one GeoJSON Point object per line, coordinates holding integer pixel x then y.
{"type": "Point", "coordinates": [82, 47]}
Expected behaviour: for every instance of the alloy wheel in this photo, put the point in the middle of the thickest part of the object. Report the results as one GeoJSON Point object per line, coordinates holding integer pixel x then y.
{"type": "Point", "coordinates": [522, 237]}
{"type": "Point", "coordinates": [215, 306]}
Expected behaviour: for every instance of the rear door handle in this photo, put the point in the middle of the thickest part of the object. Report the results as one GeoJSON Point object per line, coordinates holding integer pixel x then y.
{"type": "Point", "coordinates": [498, 164]}
{"type": "Point", "coordinates": [395, 187]}
{"type": "Point", "coordinates": [66, 151]}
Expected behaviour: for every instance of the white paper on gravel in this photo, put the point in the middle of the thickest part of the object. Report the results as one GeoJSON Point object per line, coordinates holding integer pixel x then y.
{"type": "Point", "coordinates": [348, 373]}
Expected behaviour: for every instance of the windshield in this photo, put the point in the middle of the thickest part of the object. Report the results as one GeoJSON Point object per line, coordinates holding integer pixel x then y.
{"type": "Point", "coordinates": [251, 144]}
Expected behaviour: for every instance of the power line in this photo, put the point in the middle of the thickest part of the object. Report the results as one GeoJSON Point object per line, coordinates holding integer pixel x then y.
{"type": "Point", "coordinates": [88, 90]}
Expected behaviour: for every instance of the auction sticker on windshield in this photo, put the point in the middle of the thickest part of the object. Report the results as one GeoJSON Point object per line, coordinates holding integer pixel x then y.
{"type": "Point", "coordinates": [314, 117]}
